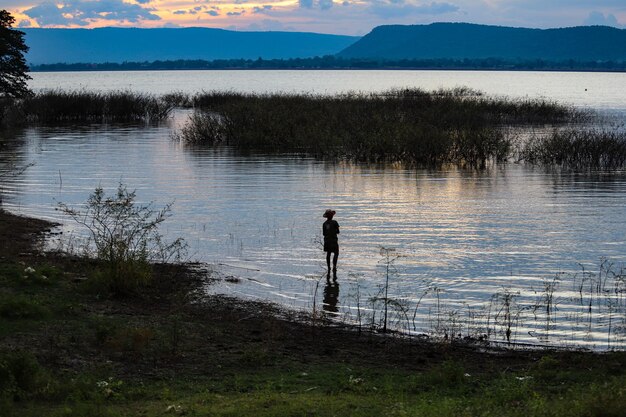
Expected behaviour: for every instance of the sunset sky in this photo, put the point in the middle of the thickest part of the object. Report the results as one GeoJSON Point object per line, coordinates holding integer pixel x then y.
{"type": "Point", "coordinates": [350, 17]}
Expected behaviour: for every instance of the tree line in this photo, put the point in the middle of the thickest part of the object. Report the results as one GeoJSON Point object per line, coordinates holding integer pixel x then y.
{"type": "Point", "coordinates": [333, 62]}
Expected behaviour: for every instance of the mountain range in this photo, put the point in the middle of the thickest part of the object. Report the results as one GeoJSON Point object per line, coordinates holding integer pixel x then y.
{"type": "Point", "coordinates": [49, 46]}
{"type": "Point", "coordinates": [436, 41]}
{"type": "Point", "coordinates": [471, 41]}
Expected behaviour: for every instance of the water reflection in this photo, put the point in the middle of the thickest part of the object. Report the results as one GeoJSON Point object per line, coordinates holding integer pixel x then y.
{"type": "Point", "coordinates": [330, 303]}
{"type": "Point", "coordinates": [463, 235]}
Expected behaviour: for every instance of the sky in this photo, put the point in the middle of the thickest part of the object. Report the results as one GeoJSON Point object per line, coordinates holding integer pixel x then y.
{"type": "Point", "coordinates": [347, 17]}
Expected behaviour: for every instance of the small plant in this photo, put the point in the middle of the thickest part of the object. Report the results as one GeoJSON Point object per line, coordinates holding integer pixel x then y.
{"type": "Point", "coordinates": [125, 237]}
{"type": "Point", "coordinates": [507, 312]}
{"type": "Point", "coordinates": [388, 258]}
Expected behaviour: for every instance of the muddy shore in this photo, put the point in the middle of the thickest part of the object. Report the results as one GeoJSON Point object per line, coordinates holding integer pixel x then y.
{"type": "Point", "coordinates": [178, 289]}
{"type": "Point", "coordinates": [174, 330]}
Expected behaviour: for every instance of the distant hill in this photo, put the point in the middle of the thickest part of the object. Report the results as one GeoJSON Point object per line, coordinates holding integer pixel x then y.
{"type": "Point", "coordinates": [465, 40]}
{"type": "Point", "coordinates": [49, 46]}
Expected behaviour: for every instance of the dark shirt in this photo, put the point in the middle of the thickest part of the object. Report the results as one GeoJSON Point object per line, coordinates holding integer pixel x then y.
{"type": "Point", "coordinates": [330, 229]}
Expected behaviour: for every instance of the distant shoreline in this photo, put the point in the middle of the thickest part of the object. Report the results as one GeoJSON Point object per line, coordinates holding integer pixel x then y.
{"type": "Point", "coordinates": [338, 69]}
{"type": "Point", "coordinates": [333, 63]}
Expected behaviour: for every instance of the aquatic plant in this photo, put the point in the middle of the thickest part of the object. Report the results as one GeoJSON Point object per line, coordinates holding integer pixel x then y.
{"type": "Point", "coordinates": [577, 148]}
{"type": "Point", "coordinates": [411, 125]}
{"type": "Point", "coordinates": [594, 304]}
{"type": "Point", "coordinates": [54, 106]}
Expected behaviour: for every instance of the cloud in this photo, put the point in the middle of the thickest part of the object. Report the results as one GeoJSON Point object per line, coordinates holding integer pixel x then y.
{"type": "Point", "coordinates": [236, 13]}
{"type": "Point", "coordinates": [181, 12]}
{"type": "Point", "coordinates": [560, 4]}
{"type": "Point", "coordinates": [48, 14]}
{"type": "Point", "coordinates": [398, 8]}
{"type": "Point", "coordinates": [263, 10]}
{"type": "Point", "coordinates": [268, 25]}
{"type": "Point", "coordinates": [143, 1]}
{"type": "Point", "coordinates": [83, 12]}
{"type": "Point", "coordinates": [596, 18]}
{"type": "Point", "coordinates": [25, 24]}
{"type": "Point", "coordinates": [311, 4]}
{"type": "Point", "coordinates": [436, 8]}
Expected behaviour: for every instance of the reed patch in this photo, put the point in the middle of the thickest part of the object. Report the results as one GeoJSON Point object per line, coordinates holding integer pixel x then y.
{"type": "Point", "coordinates": [58, 106]}
{"type": "Point", "coordinates": [460, 126]}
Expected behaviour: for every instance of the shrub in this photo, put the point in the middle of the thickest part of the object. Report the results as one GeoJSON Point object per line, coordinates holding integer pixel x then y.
{"type": "Point", "coordinates": [125, 237]}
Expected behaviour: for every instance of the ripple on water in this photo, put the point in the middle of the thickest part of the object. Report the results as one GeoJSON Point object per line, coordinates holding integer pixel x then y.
{"type": "Point", "coordinates": [463, 237]}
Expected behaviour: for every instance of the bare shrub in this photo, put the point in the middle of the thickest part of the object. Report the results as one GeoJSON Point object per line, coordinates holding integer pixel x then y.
{"type": "Point", "coordinates": [124, 237]}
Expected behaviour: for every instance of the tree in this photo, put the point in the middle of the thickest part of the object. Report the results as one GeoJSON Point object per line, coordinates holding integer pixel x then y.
{"type": "Point", "coordinates": [13, 68]}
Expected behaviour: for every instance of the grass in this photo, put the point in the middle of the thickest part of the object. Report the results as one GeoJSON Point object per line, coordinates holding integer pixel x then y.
{"type": "Point", "coordinates": [459, 126]}
{"type": "Point", "coordinates": [456, 126]}
{"type": "Point", "coordinates": [427, 128]}
{"type": "Point", "coordinates": [319, 391]}
{"type": "Point", "coordinates": [578, 149]}
{"type": "Point", "coordinates": [57, 106]}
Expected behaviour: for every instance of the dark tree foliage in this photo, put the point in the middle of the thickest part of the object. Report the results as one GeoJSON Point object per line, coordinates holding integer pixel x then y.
{"type": "Point", "coordinates": [334, 62]}
{"type": "Point", "coordinates": [13, 68]}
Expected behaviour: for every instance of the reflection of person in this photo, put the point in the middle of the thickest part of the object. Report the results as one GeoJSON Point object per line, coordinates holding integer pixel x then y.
{"type": "Point", "coordinates": [330, 230]}
{"type": "Point", "coordinates": [331, 297]}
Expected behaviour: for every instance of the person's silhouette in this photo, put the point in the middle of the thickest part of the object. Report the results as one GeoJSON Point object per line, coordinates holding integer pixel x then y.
{"type": "Point", "coordinates": [330, 230]}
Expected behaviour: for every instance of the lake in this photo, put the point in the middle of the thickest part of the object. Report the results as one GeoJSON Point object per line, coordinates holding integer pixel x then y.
{"type": "Point", "coordinates": [470, 252]}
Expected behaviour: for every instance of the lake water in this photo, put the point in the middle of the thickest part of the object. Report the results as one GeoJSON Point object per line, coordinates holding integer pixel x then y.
{"type": "Point", "coordinates": [474, 252]}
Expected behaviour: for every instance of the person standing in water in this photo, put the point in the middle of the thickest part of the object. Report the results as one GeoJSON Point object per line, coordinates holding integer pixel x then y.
{"type": "Point", "coordinates": [330, 230]}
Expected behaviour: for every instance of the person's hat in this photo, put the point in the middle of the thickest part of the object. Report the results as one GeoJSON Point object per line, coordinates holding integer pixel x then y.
{"type": "Point", "coordinates": [329, 213]}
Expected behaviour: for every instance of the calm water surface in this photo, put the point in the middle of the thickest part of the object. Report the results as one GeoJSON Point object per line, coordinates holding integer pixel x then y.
{"type": "Point", "coordinates": [595, 90]}
{"type": "Point", "coordinates": [469, 246]}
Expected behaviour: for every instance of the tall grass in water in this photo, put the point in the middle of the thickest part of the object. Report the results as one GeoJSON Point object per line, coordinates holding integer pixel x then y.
{"type": "Point", "coordinates": [56, 106]}
{"type": "Point", "coordinates": [569, 310]}
{"type": "Point", "coordinates": [578, 149]}
{"type": "Point", "coordinates": [415, 126]}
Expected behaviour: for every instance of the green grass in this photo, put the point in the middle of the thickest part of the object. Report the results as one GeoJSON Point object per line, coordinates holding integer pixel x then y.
{"type": "Point", "coordinates": [333, 391]}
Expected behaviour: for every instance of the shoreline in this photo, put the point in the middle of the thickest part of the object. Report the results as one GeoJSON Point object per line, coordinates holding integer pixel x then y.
{"type": "Point", "coordinates": [175, 338]}
{"type": "Point", "coordinates": [23, 239]}
{"type": "Point", "coordinates": [468, 69]}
